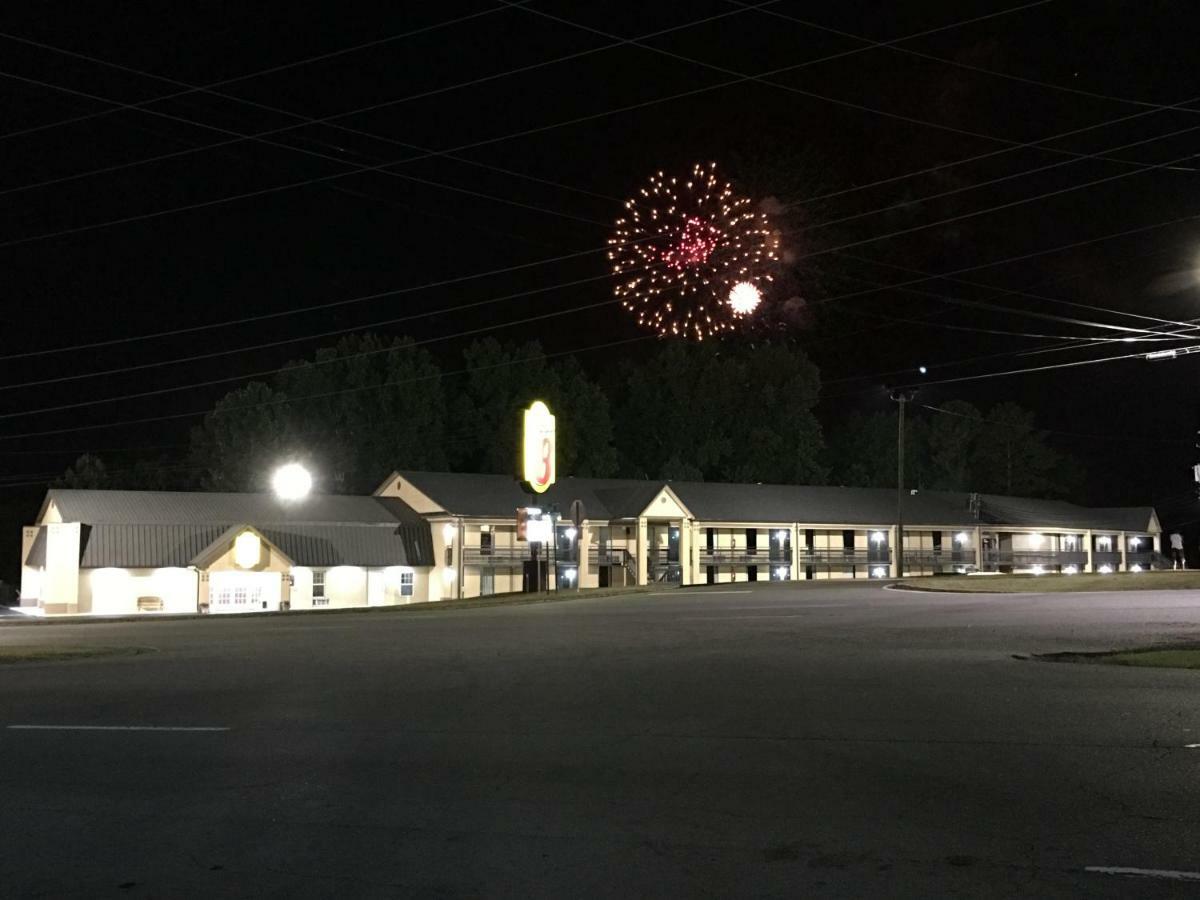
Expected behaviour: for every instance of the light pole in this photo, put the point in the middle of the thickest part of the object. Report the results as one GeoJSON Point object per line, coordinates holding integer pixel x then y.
{"type": "Point", "coordinates": [901, 396]}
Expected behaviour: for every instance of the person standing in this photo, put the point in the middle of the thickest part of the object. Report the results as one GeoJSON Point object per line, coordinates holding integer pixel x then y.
{"type": "Point", "coordinates": [1176, 550]}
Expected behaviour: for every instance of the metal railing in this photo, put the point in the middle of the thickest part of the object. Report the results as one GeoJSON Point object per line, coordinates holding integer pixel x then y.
{"type": "Point", "coordinates": [616, 557]}
{"type": "Point", "coordinates": [1023, 558]}
{"type": "Point", "coordinates": [743, 557]}
{"type": "Point", "coordinates": [498, 557]}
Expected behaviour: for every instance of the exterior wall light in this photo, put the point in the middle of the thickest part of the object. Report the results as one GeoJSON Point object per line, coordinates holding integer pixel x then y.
{"type": "Point", "coordinates": [1071, 570]}
{"type": "Point", "coordinates": [1105, 569]}
{"type": "Point", "coordinates": [1035, 539]}
{"type": "Point", "coordinates": [448, 531]}
{"type": "Point", "coordinates": [1136, 567]}
{"type": "Point", "coordinates": [961, 538]}
{"type": "Point", "coordinates": [571, 533]}
{"type": "Point", "coordinates": [1134, 543]}
{"type": "Point", "coordinates": [878, 537]}
{"type": "Point", "coordinates": [879, 572]}
{"type": "Point", "coordinates": [1038, 570]}
{"type": "Point", "coordinates": [247, 550]}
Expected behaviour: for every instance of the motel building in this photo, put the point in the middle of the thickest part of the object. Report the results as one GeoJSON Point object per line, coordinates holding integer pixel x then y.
{"type": "Point", "coordinates": [430, 536]}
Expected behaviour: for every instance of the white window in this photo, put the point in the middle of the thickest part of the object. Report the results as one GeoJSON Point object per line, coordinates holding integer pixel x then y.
{"type": "Point", "coordinates": [318, 588]}
{"type": "Point", "coordinates": [237, 596]}
{"type": "Point", "coordinates": [406, 584]}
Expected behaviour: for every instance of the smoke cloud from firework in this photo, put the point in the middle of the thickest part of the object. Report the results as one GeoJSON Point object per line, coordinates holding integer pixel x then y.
{"type": "Point", "coordinates": [682, 246]}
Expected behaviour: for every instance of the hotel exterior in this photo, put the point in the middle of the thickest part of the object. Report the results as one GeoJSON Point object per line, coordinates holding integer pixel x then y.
{"type": "Point", "coordinates": [430, 536]}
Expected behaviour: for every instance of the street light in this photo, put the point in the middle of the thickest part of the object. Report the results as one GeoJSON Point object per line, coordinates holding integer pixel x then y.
{"type": "Point", "coordinates": [291, 482]}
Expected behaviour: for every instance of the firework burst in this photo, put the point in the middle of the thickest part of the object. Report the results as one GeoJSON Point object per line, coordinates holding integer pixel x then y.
{"type": "Point", "coordinates": [682, 246]}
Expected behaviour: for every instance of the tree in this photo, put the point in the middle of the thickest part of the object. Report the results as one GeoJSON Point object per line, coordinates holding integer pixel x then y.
{"type": "Point", "coordinates": [371, 406]}
{"type": "Point", "coordinates": [243, 439]}
{"type": "Point", "coordinates": [953, 437]}
{"type": "Point", "coordinates": [503, 379]}
{"type": "Point", "coordinates": [724, 412]}
{"type": "Point", "coordinates": [1012, 457]}
{"type": "Point", "coordinates": [88, 472]}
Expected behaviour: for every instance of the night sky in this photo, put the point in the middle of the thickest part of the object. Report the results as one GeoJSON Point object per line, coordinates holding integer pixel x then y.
{"type": "Point", "coordinates": [533, 160]}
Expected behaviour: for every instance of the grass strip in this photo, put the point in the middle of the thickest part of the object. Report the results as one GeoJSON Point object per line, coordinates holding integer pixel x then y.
{"type": "Point", "coordinates": [1054, 584]}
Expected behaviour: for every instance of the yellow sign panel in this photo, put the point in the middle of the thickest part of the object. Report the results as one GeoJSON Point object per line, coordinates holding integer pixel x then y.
{"type": "Point", "coordinates": [538, 465]}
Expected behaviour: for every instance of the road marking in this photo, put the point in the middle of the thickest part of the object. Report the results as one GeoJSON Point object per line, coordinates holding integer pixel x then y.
{"type": "Point", "coordinates": [1129, 872]}
{"type": "Point", "coordinates": [727, 618]}
{"type": "Point", "coordinates": [116, 728]}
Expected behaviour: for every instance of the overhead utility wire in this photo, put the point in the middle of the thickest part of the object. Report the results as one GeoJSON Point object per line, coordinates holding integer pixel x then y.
{"type": "Point", "coordinates": [908, 51]}
{"type": "Point", "coordinates": [764, 78]}
{"type": "Point", "coordinates": [225, 82]}
{"type": "Point", "coordinates": [480, 143]}
{"type": "Point", "coordinates": [324, 120]}
{"type": "Point", "coordinates": [285, 401]}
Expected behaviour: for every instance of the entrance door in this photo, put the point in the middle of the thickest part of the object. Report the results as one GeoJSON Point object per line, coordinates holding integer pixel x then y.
{"type": "Point", "coordinates": [236, 597]}
{"type": "Point", "coordinates": [487, 582]}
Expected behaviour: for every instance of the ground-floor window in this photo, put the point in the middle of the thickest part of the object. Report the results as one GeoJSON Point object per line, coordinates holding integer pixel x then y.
{"type": "Point", "coordinates": [406, 584]}
{"type": "Point", "coordinates": [318, 588]}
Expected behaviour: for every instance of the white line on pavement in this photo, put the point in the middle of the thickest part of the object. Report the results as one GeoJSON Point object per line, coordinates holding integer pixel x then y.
{"type": "Point", "coordinates": [116, 728]}
{"type": "Point", "coordinates": [1130, 872]}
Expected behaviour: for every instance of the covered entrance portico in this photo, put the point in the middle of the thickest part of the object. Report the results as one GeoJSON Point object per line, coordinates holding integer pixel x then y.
{"type": "Point", "coordinates": [242, 571]}
{"type": "Point", "coordinates": [664, 531]}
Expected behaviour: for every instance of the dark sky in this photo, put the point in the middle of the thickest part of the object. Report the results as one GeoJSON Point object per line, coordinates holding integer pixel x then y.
{"type": "Point", "coordinates": [548, 155]}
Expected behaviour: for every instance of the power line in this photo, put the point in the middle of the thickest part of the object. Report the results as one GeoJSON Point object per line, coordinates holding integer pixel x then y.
{"type": "Point", "coordinates": [1099, 437]}
{"type": "Point", "coordinates": [269, 71]}
{"type": "Point", "coordinates": [206, 412]}
{"type": "Point", "coordinates": [481, 143]}
{"type": "Point", "coordinates": [156, 392]}
{"type": "Point", "coordinates": [139, 367]}
{"type": "Point", "coordinates": [262, 135]}
{"type": "Point", "coordinates": [762, 78]}
{"type": "Point", "coordinates": [972, 68]}
{"type": "Point", "coordinates": [989, 182]}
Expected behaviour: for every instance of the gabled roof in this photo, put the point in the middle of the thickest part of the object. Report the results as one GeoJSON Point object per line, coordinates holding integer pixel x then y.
{"type": "Point", "coordinates": [186, 508]}
{"type": "Point", "coordinates": [153, 529]}
{"type": "Point", "coordinates": [494, 496]}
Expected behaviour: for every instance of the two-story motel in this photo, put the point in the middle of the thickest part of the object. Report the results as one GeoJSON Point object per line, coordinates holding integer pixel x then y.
{"type": "Point", "coordinates": [427, 536]}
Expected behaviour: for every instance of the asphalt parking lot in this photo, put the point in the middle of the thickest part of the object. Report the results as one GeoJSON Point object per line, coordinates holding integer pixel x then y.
{"type": "Point", "coordinates": [746, 740]}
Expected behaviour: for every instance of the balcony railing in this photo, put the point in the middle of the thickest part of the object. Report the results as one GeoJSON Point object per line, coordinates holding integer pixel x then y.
{"type": "Point", "coordinates": [499, 557]}
{"type": "Point", "coordinates": [743, 557]}
{"type": "Point", "coordinates": [1024, 558]}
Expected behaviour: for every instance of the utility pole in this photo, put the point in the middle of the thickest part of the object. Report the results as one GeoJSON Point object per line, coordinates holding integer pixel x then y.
{"type": "Point", "coordinates": [902, 397]}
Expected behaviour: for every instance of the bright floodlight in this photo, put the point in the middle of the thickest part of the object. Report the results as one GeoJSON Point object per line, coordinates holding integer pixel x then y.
{"type": "Point", "coordinates": [291, 482]}
{"type": "Point", "coordinates": [744, 298]}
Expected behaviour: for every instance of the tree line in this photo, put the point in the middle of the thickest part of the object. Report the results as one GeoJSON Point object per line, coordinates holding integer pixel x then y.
{"type": "Point", "coordinates": [729, 411]}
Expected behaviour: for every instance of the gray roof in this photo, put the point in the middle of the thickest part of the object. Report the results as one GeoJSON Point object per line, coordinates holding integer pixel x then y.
{"type": "Point", "coordinates": [613, 498]}
{"type": "Point", "coordinates": [470, 494]}
{"type": "Point", "coordinates": [151, 529]}
{"type": "Point", "coordinates": [199, 508]}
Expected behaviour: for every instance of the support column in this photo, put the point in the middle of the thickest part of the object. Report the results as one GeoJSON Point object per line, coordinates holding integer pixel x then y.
{"type": "Point", "coordinates": [978, 549]}
{"type": "Point", "coordinates": [1089, 564]}
{"type": "Point", "coordinates": [685, 551]}
{"type": "Point", "coordinates": [641, 549]}
{"type": "Point", "coordinates": [894, 546]}
{"type": "Point", "coordinates": [1124, 547]}
{"type": "Point", "coordinates": [795, 561]}
{"type": "Point", "coordinates": [582, 545]}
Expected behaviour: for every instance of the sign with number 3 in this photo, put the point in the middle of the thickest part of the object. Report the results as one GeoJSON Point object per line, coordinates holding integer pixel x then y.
{"type": "Point", "coordinates": [538, 464]}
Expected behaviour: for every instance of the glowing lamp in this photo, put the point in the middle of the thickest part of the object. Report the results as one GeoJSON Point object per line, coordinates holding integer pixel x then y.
{"type": "Point", "coordinates": [960, 538]}
{"type": "Point", "coordinates": [877, 537]}
{"type": "Point", "coordinates": [291, 482]}
{"type": "Point", "coordinates": [879, 572]}
{"type": "Point", "coordinates": [247, 550]}
{"type": "Point", "coordinates": [448, 533]}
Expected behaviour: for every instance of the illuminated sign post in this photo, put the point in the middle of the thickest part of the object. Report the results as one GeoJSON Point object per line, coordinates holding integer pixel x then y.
{"type": "Point", "coordinates": [537, 458]}
{"type": "Point", "coordinates": [538, 471]}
